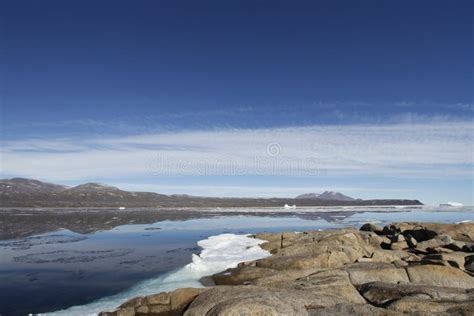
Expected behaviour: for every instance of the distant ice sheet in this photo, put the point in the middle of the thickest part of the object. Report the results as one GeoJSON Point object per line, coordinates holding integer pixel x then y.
{"type": "Point", "coordinates": [219, 253]}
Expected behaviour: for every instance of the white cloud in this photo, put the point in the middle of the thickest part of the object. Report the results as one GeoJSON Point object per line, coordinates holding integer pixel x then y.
{"type": "Point", "coordinates": [403, 150]}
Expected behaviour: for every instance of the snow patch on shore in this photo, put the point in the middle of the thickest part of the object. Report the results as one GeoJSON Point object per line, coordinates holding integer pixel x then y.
{"type": "Point", "coordinates": [219, 253]}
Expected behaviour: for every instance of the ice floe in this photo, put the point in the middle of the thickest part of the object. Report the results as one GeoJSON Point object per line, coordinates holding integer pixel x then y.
{"type": "Point", "coordinates": [28, 242]}
{"type": "Point", "coordinates": [218, 253]}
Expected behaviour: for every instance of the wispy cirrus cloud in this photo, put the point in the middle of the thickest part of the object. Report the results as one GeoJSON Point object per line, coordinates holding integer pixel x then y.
{"type": "Point", "coordinates": [441, 149]}
{"type": "Point", "coordinates": [251, 117]}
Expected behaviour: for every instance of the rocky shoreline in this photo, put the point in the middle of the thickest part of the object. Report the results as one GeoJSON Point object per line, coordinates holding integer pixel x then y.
{"type": "Point", "coordinates": [402, 268]}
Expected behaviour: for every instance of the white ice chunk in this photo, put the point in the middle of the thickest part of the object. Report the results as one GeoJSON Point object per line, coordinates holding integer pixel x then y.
{"type": "Point", "coordinates": [219, 253]}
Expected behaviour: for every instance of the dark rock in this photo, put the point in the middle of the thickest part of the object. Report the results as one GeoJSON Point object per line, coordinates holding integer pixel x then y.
{"type": "Point", "coordinates": [391, 230]}
{"type": "Point", "coordinates": [396, 238]}
{"type": "Point", "coordinates": [371, 228]}
{"type": "Point", "coordinates": [468, 247]}
{"type": "Point", "coordinates": [443, 260]}
{"type": "Point", "coordinates": [438, 241]}
{"type": "Point", "coordinates": [420, 234]}
{"type": "Point", "coordinates": [411, 241]}
{"type": "Point", "coordinates": [456, 245]}
{"type": "Point", "coordinates": [454, 264]}
{"type": "Point", "coordinates": [469, 263]}
{"type": "Point", "coordinates": [433, 257]}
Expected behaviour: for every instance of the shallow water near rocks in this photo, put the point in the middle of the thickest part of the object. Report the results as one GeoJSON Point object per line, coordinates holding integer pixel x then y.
{"type": "Point", "coordinates": [54, 271]}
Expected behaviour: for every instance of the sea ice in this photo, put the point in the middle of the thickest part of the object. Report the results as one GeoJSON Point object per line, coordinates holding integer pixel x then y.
{"type": "Point", "coordinates": [218, 254]}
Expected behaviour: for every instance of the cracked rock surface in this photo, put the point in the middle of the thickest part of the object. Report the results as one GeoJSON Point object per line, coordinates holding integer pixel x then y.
{"type": "Point", "coordinates": [402, 268]}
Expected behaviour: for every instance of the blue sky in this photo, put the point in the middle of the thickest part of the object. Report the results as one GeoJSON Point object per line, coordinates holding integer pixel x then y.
{"type": "Point", "coordinates": [241, 98]}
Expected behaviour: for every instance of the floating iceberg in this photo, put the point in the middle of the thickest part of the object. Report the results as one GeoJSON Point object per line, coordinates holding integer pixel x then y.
{"type": "Point", "coordinates": [451, 204]}
{"type": "Point", "coordinates": [288, 207]}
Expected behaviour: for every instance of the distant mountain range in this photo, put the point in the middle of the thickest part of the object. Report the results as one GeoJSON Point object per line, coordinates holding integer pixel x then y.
{"type": "Point", "coordinates": [26, 186]}
{"type": "Point", "coordinates": [326, 195]}
{"type": "Point", "coordinates": [20, 192]}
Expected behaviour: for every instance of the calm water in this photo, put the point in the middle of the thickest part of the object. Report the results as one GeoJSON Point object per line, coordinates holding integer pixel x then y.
{"type": "Point", "coordinates": [48, 272]}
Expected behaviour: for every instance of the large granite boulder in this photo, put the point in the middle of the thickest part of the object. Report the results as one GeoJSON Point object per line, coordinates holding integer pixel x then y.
{"type": "Point", "coordinates": [380, 293]}
{"type": "Point", "coordinates": [246, 300]}
{"type": "Point", "coordinates": [422, 306]}
{"type": "Point", "coordinates": [327, 287]}
{"type": "Point", "coordinates": [294, 299]}
{"type": "Point", "coordinates": [162, 304]}
{"type": "Point", "coordinates": [351, 309]}
{"type": "Point", "coordinates": [329, 249]}
{"type": "Point", "coordinates": [462, 231]}
{"type": "Point", "coordinates": [360, 273]}
{"type": "Point", "coordinates": [438, 275]}
{"type": "Point", "coordinates": [438, 241]}
{"type": "Point", "coordinates": [331, 259]}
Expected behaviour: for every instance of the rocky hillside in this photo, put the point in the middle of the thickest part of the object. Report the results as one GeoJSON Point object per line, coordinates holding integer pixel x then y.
{"type": "Point", "coordinates": [27, 186]}
{"type": "Point", "coordinates": [20, 192]}
{"type": "Point", "coordinates": [94, 187]}
{"type": "Point", "coordinates": [405, 268]}
{"type": "Point", "coordinates": [32, 193]}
